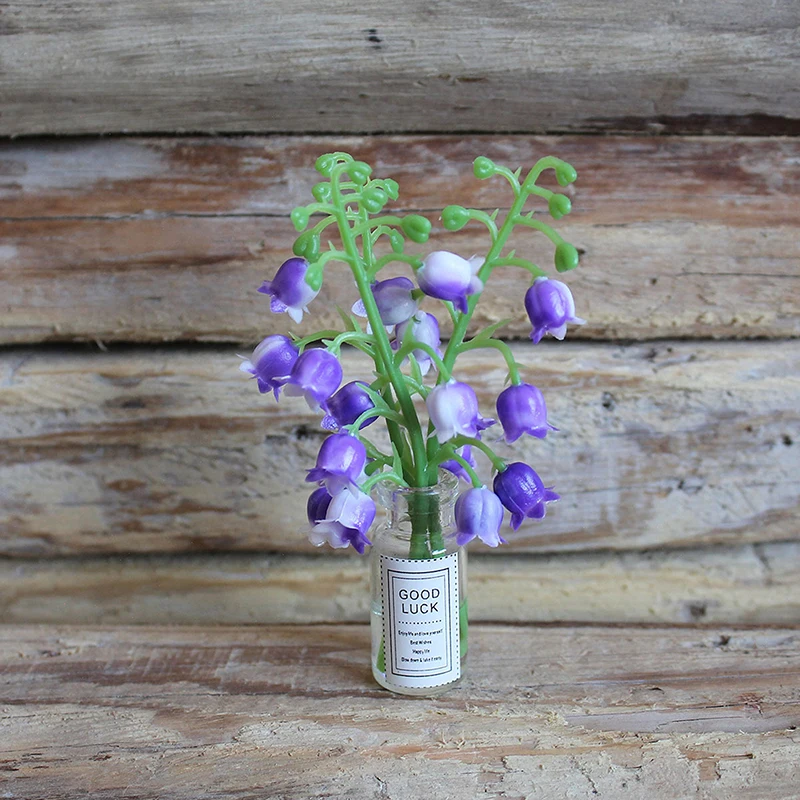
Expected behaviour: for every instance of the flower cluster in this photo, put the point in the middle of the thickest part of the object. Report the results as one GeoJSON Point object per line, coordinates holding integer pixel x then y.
{"type": "Point", "coordinates": [404, 342]}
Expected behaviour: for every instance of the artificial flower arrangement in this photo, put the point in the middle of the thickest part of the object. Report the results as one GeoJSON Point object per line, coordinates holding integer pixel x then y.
{"type": "Point", "coordinates": [419, 598]}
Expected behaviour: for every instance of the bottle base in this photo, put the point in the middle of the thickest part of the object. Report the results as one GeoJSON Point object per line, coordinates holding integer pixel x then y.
{"type": "Point", "coordinates": [409, 691]}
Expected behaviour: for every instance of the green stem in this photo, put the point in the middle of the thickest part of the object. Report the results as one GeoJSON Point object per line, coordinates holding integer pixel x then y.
{"type": "Point", "coordinates": [412, 345]}
{"type": "Point", "coordinates": [497, 462]}
{"type": "Point", "coordinates": [508, 355]}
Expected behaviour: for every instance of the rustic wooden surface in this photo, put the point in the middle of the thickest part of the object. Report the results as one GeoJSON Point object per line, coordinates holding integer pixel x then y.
{"type": "Point", "coordinates": [292, 712]}
{"type": "Point", "coordinates": [174, 450]}
{"type": "Point", "coordinates": [749, 584]}
{"type": "Point", "coordinates": [163, 239]}
{"type": "Point", "coordinates": [78, 67]}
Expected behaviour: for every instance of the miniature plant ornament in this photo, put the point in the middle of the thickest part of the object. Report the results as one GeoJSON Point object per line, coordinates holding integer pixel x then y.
{"type": "Point", "coordinates": [409, 358]}
{"type": "Point", "coordinates": [388, 324]}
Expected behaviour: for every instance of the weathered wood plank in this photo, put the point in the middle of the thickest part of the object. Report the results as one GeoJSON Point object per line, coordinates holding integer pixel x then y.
{"type": "Point", "coordinates": [751, 584]}
{"type": "Point", "coordinates": [113, 240]}
{"type": "Point", "coordinates": [542, 713]}
{"type": "Point", "coordinates": [81, 67]}
{"type": "Point", "coordinates": [137, 451]}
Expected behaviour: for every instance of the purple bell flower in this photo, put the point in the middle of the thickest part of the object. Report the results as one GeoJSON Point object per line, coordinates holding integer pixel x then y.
{"type": "Point", "coordinates": [289, 290]}
{"type": "Point", "coordinates": [521, 409]}
{"type": "Point", "coordinates": [347, 520]}
{"type": "Point", "coordinates": [394, 300]}
{"type": "Point", "coordinates": [340, 463]}
{"type": "Point", "coordinates": [522, 492]}
{"type": "Point", "coordinates": [347, 405]}
{"type": "Point", "coordinates": [453, 466]}
{"type": "Point", "coordinates": [316, 375]}
{"type": "Point", "coordinates": [450, 277]}
{"type": "Point", "coordinates": [423, 328]}
{"type": "Point", "coordinates": [550, 306]}
{"type": "Point", "coordinates": [317, 506]}
{"type": "Point", "coordinates": [479, 512]}
{"type": "Point", "coordinates": [453, 409]}
{"type": "Point", "coordinates": [271, 363]}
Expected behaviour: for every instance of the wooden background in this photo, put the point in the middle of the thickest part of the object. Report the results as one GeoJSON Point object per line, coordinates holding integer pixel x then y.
{"type": "Point", "coordinates": [153, 154]}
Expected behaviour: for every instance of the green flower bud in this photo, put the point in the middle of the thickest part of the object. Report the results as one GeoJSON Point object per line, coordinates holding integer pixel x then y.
{"type": "Point", "coordinates": [299, 218]}
{"type": "Point", "coordinates": [566, 257]}
{"type": "Point", "coordinates": [373, 199]}
{"type": "Point", "coordinates": [359, 172]}
{"type": "Point", "coordinates": [392, 188]}
{"type": "Point", "coordinates": [454, 218]}
{"type": "Point", "coordinates": [325, 164]}
{"type": "Point", "coordinates": [322, 192]}
{"type": "Point", "coordinates": [307, 246]}
{"type": "Point", "coordinates": [565, 174]}
{"type": "Point", "coordinates": [416, 228]}
{"type": "Point", "coordinates": [483, 167]}
{"type": "Point", "coordinates": [559, 205]}
{"type": "Point", "coordinates": [314, 276]}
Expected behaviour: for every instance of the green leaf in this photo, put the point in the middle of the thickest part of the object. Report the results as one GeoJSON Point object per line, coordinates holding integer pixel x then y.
{"type": "Point", "coordinates": [349, 320]}
{"type": "Point", "coordinates": [416, 372]}
{"type": "Point", "coordinates": [490, 330]}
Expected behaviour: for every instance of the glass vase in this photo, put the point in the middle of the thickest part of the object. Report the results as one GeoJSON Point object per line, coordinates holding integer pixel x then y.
{"type": "Point", "coordinates": [418, 590]}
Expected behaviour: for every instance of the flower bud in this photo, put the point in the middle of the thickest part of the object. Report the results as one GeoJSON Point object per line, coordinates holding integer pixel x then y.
{"type": "Point", "coordinates": [453, 409]}
{"type": "Point", "coordinates": [454, 218]}
{"type": "Point", "coordinates": [316, 375]}
{"type": "Point", "coordinates": [566, 257]}
{"type": "Point", "coordinates": [448, 276]}
{"type": "Point", "coordinates": [522, 492]}
{"type": "Point", "coordinates": [347, 405]}
{"type": "Point", "coordinates": [559, 206]}
{"type": "Point", "coordinates": [299, 218]}
{"type": "Point", "coordinates": [479, 512]}
{"type": "Point", "coordinates": [417, 228]}
{"type": "Point", "coordinates": [322, 192]}
{"type": "Point", "coordinates": [289, 290]}
{"type": "Point", "coordinates": [271, 363]}
{"type": "Point", "coordinates": [483, 167]}
{"type": "Point", "coordinates": [521, 409]}
{"type": "Point", "coordinates": [550, 307]}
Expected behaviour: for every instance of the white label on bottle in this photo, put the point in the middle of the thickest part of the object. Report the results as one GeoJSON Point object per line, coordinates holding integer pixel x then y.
{"type": "Point", "coordinates": [420, 621]}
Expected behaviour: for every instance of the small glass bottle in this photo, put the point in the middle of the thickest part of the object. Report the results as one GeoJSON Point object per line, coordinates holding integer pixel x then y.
{"type": "Point", "coordinates": [419, 591]}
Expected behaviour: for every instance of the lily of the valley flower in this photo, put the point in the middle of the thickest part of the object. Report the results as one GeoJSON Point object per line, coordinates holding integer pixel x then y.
{"type": "Point", "coordinates": [271, 363]}
{"type": "Point", "coordinates": [316, 375]}
{"type": "Point", "coordinates": [550, 307]}
{"type": "Point", "coordinates": [453, 409]}
{"type": "Point", "coordinates": [479, 512]}
{"type": "Point", "coordinates": [289, 290]}
{"type": "Point", "coordinates": [423, 328]}
{"type": "Point", "coordinates": [394, 300]}
{"type": "Point", "coordinates": [450, 277]}
{"type": "Point", "coordinates": [317, 505]}
{"type": "Point", "coordinates": [347, 405]}
{"type": "Point", "coordinates": [522, 492]}
{"type": "Point", "coordinates": [521, 409]}
{"type": "Point", "coordinates": [340, 463]}
{"type": "Point", "coordinates": [346, 522]}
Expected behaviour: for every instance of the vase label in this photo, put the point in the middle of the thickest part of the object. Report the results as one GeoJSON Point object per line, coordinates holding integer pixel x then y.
{"type": "Point", "coordinates": [420, 620]}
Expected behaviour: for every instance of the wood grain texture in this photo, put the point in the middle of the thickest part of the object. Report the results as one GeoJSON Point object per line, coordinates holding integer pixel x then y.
{"type": "Point", "coordinates": [154, 239]}
{"type": "Point", "coordinates": [746, 585]}
{"type": "Point", "coordinates": [292, 712]}
{"type": "Point", "coordinates": [674, 444]}
{"type": "Point", "coordinates": [82, 67]}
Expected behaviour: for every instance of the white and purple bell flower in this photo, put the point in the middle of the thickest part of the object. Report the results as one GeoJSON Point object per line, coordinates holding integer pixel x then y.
{"type": "Point", "coordinates": [316, 376]}
{"type": "Point", "coordinates": [271, 363]}
{"type": "Point", "coordinates": [479, 512]}
{"type": "Point", "coordinates": [347, 405]}
{"type": "Point", "coordinates": [289, 290]}
{"type": "Point", "coordinates": [340, 464]}
{"type": "Point", "coordinates": [550, 307]}
{"type": "Point", "coordinates": [448, 276]}
{"type": "Point", "coordinates": [340, 520]}
{"type": "Point", "coordinates": [453, 466]}
{"type": "Point", "coordinates": [394, 299]}
{"type": "Point", "coordinates": [523, 493]}
{"type": "Point", "coordinates": [521, 409]}
{"type": "Point", "coordinates": [422, 328]}
{"type": "Point", "coordinates": [453, 410]}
